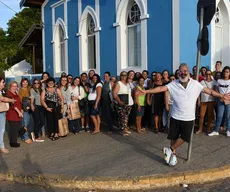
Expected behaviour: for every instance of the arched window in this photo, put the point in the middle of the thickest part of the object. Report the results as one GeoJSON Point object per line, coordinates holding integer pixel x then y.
{"type": "Point", "coordinates": [131, 27]}
{"type": "Point", "coordinates": [91, 43]}
{"type": "Point", "coordinates": [62, 49]}
{"type": "Point", "coordinates": [59, 48]}
{"type": "Point", "coordinates": [134, 36]}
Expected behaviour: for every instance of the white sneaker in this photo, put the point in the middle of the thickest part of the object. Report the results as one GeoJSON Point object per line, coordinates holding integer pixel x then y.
{"type": "Point", "coordinates": [173, 160]}
{"type": "Point", "coordinates": [228, 133]}
{"type": "Point", "coordinates": [214, 133]}
{"type": "Point", "coordinates": [167, 154]}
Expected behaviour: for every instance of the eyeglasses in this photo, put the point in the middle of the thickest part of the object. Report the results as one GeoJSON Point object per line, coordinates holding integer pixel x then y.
{"type": "Point", "coordinates": [70, 78]}
{"type": "Point", "coordinates": [36, 83]}
{"type": "Point", "coordinates": [153, 75]}
{"type": "Point", "coordinates": [183, 71]}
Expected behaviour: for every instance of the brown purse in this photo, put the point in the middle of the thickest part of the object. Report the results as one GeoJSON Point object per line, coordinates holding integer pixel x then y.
{"type": "Point", "coordinates": [73, 111]}
{"type": "Point", "coordinates": [4, 106]}
{"type": "Point", "coordinates": [63, 127]}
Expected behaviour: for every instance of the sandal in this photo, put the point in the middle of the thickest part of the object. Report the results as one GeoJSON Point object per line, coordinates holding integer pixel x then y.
{"type": "Point", "coordinates": [28, 141]}
{"type": "Point", "coordinates": [198, 132]}
{"type": "Point", "coordinates": [4, 150]}
{"type": "Point", "coordinates": [95, 132]}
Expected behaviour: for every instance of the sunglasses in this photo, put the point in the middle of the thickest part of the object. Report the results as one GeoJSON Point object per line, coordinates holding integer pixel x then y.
{"type": "Point", "coordinates": [36, 83]}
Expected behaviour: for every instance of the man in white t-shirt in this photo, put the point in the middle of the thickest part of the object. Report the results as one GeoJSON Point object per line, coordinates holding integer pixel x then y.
{"type": "Point", "coordinates": [184, 93]}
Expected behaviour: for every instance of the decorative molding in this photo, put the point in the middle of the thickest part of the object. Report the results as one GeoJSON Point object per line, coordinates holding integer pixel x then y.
{"type": "Point", "coordinates": [89, 10]}
{"type": "Point", "coordinates": [226, 36]}
{"type": "Point", "coordinates": [141, 4]}
{"type": "Point", "coordinates": [121, 37]}
{"type": "Point", "coordinates": [63, 25]}
{"type": "Point", "coordinates": [83, 36]}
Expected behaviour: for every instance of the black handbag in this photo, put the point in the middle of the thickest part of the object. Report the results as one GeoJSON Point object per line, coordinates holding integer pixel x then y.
{"type": "Point", "coordinates": [124, 98]}
{"type": "Point", "coordinates": [26, 103]}
{"type": "Point", "coordinates": [82, 103]}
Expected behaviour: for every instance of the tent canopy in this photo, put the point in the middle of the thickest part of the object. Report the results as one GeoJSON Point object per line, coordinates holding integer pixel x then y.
{"type": "Point", "coordinates": [19, 69]}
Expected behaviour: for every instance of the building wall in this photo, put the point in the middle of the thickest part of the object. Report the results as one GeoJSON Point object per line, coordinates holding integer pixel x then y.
{"type": "Point", "coordinates": [188, 35]}
{"type": "Point", "coordinates": [73, 48]}
{"type": "Point", "coordinates": [160, 35]}
{"type": "Point", "coordinates": [108, 37]}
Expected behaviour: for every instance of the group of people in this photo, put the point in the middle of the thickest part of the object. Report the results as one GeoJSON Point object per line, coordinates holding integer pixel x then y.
{"type": "Point", "coordinates": [167, 101]}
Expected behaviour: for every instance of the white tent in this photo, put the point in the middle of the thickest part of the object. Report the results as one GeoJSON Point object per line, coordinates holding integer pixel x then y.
{"type": "Point", "coordinates": [19, 69]}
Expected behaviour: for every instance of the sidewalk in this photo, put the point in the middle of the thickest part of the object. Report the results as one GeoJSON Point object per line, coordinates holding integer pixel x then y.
{"type": "Point", "coordinates": [113, 157]}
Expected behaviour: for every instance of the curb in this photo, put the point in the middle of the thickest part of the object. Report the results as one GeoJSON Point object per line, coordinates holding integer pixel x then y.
{"type": "Point", "coordinates": [111, 183]}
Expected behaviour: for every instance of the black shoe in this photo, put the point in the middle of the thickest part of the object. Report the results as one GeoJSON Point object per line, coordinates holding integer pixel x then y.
{"type": "Point", "coordinates": [15, 144]}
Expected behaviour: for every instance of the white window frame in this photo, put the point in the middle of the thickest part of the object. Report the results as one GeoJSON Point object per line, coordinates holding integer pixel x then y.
{"type": "Point", "coordinates": [222, 4]}
{"type": "Point", "coordinates": [121, 33]}
{"type": "Point", "coordinates": [56, 48]}
{"type": "Point", "coordinates": [83, 40]}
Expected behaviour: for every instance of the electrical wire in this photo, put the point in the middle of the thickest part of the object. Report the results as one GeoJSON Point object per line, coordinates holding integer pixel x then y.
{"type": "Point", "coordinates": [8, 7]}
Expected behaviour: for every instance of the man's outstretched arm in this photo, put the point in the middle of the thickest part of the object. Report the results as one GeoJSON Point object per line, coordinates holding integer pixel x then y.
{"type": "Point", "coordinates": [216, 94]}
{"type": "Point", "coordinates": [157, 90]}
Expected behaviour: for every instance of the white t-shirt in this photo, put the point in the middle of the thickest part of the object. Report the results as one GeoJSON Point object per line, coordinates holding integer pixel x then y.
{"type": "Point", "coordinates": [205, 97]}
{"type": "Point", "coordinates": [76, 93]}
{"type": "Point", "coordinates": [125, 89]}
{"type": "Point", "coordinates": [93, 94]}
{"type": "Point", "coordinates": [184, 100]}
{"type": "Point", "coordinates": [223, 86]}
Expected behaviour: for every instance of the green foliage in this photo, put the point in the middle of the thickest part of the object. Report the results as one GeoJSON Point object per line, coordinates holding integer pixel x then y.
{"type": "Point", "coordinates": [10, 39]}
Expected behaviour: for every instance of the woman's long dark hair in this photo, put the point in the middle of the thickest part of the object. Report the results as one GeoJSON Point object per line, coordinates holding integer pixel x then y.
{"type": "Point", "coordinates": [224, 69]}
{"type": "Point", "coordinates": [98, 81]}
{"type": "Point", "coordinates": [40, 87]}
{"type": "Point", "coordinates": [59, 83]}
{"type": "Point", "coordinates": [44, 74]}
{"type": "Point", "coordinates": [25, 79]}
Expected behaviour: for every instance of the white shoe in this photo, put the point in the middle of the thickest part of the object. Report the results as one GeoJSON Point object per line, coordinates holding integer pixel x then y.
{"type": "Point", "coordinates": [173, 160]}
{"type": "Point", "coordinates": [228, 133]}
{"type": "Point", "coordinates": [39, 140]}
{"type": "Point", "coordinates": [167, 154]}
{"type": "Point", "coordinates": [214, 133]}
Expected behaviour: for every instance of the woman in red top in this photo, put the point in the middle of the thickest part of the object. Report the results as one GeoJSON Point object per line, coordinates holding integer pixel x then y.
{"type": "Point", "coordinates": [14, 115]}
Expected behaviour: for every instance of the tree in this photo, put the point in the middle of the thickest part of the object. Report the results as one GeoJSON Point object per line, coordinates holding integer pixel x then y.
{"type": "Point", "coordinates": [9, 40]}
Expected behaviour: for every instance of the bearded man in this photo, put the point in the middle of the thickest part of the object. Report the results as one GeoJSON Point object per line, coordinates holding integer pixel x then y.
{"type": "Point", "coordinates": [184, 93]}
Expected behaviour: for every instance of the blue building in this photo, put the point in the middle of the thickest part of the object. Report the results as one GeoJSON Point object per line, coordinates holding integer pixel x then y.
{"type": "Point", "coordinates": [117, 35]}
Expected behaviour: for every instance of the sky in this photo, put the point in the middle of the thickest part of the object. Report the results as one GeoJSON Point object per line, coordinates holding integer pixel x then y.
{"type": "Point", "coordinates": [6, 13]}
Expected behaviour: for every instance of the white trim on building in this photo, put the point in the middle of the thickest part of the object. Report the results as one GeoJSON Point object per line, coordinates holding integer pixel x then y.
{"type": "Point", "coordinates": [224, 7]}
{"type": "Point", "coordinates": [83, 38]}
{"type": "Point", "coordinates": [56, 48]}
{"type": "Point", "coordinates": [121, 30]}
{"type": "Point", "coordinates": [176, 33]}
{"type": "Point", "coordinates": [43, 34]}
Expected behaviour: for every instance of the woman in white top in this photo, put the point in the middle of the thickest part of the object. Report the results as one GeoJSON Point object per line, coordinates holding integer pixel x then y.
{"type": "Point", "coordinates": [223, 88]}
{"type": "Point", "coordinates": [76, 94]}
{"type": "Point", "coordinates": [123, 97]}
{"type": "Point", "coordinates": [94, 98]}
{"type": "Point", "coordinates": [206, 102]}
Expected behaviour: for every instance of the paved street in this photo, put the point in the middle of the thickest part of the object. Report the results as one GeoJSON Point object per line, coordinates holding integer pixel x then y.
{"type": "Point", "coordinates": [113, 155]}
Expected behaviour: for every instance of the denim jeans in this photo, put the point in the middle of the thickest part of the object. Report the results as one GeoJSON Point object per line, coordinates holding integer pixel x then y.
{"type": "Point", "coordinates": [25, 123]}
{"type": "Point", "coordinates": [221, 108]}
{"type": "Point", "coordinates": [2, 128]}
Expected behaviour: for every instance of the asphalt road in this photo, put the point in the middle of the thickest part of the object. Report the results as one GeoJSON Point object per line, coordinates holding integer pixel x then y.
{"type": "Point", "coordinates": [220, 186]}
